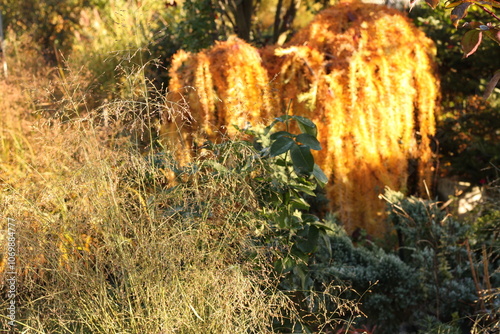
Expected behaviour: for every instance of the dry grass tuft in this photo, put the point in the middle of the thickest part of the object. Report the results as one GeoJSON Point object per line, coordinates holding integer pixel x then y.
{"type": "Point", "coordinates": [107, 242]}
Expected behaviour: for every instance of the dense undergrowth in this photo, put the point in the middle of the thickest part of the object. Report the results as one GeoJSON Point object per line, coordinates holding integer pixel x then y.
{"type": "Point", "coordinates": [106, 245]}
{"type": "Point", "coordinates": [112, 239]}
{"type": "Point", "coordinates": [114, 236]}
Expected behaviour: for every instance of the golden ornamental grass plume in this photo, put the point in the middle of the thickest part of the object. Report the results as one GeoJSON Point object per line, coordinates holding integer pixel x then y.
{"type": "Point", "coordinates": [224, 86]}
{"type": "Point", "coordinates": [373, 94]}
{"type": "Point", "coordinates": [363, 73]}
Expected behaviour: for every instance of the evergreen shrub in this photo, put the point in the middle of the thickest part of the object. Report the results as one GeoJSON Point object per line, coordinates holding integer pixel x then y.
{"type": "Point", "coordinates": [424, 281]}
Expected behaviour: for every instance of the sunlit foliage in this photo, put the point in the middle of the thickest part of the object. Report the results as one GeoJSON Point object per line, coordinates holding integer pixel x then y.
{"type": "Point", "coordinates": [225, 85]}
{"type": "Point", "coordinates": [361, 72]}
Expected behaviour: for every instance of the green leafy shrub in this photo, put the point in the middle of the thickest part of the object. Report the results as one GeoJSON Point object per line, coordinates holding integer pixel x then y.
{"type": "Point", "coordinates": [198, 28]}
{"type": "Point", "coordinates": [280, 170]}
{"type": "Point", "coordinates": [467, 135]}
{"type": "Point", "coordinates": [423, 283]}
{"type": "Point", "coordinates": [51, 23]}
{"type": "Point", "coordinates": [290, 180]}
{"type": "Point", "coordinates": [460, 76]}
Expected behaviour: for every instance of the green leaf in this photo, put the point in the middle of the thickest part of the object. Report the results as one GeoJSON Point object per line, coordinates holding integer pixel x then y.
{"type": "Point", "coordinates": [309, 244]}
{"type": "Point", "coordinates": [303, 188]}
{"type": "Point", "coordinates": [281, 145]}
{"type": "Point", "coordinates": [309, 218]}
{"type": "Point", "coordinates": [326, 240]}
{"type": "Point", "coordinates": [313, 235]}
{"type": "Point", "coordinates": [471, 41]}
{"type": "Point", "coordinates": [283, 220]}
{"type": "Point", "coordinates": [305, 246]}
{"type": "Point", "coordinates": [300, 204]}
{"type": "Point", "coordinates": [301, 272]}
{"type": "Point", "coordinates": [309, 140]}
{"type": "Point", "coordinates": [283, 118]}
{"type": "Point", "coordinates": [453, 4]}
{"type": "Point", "coordinates": [282, 163]}
{"type": "Point", "coordinates": [322, 226]}
{"type": "Point", "coordinates": [319, 175]}
{"type": "Point", "coordinates": [302, 159]}
{"type": "Point", "coordinates": [284, 265]}
{"type": "Point", "coordinates": [279, 134]}
{"type": "Point", "coordinates": [459, 12]}
{"type": "Point", "coordinates": [218, 167]}
{"type": "Point", "coordinates": [306, 125]}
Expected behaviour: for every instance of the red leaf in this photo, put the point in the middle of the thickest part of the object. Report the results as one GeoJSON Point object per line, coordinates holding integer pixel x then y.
{"type": "Point", "coordinates": [492, 84]}
{"type": "Point", "coordinates": [432, 3]}
{"type": "Point", "coordinates": [488, 3]}
{"type": "Point", "coordinates": [412, 4]}
{"type": "Point", "coordinates": [472, 25]}
{"type": "Point", "coordinates": [494, 34]}
{"type": "Point", "coordinates": [459, 12]}
{"type": "Point", "coordinates": [471, 41]}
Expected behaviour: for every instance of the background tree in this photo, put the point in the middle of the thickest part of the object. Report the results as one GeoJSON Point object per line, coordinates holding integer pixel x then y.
{"type": "Point", "coordinates": [467, 126]}
{"type": "Point", "coordinates": [476, 30]}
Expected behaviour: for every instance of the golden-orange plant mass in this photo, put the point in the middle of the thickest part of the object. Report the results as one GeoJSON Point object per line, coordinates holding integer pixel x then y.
{"type": "Point", "coordinates": [223, 86]}
{"type": "Point", "coordinates": [362, 72]}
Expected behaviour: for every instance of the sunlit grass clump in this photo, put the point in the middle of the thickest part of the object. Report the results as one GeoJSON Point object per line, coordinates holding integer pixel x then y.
{"type": "Point", "coordinates": [110, 241]}
{"type": "Point", "coordinates": [109, 238]}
